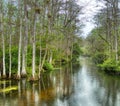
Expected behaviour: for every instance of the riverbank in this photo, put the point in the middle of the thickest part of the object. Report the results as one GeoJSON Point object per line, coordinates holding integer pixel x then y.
{"type": "Point", "coordinates": [110, 66]}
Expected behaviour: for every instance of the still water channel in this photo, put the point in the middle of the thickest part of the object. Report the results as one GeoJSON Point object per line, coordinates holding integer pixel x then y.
{"type": "Point", "coordinates": [75, 85]}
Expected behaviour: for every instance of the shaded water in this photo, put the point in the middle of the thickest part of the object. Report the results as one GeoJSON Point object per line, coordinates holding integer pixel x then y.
{"type": "Point", "coordinates": [71, 86]}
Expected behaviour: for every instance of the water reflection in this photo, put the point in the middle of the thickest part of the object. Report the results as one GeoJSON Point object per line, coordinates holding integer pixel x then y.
{"type": "Point", "coordinates": [74, 85]}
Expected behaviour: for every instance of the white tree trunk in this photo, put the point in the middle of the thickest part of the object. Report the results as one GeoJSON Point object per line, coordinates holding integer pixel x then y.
{"type": "Point", "coordinates": [10, 57]}
{"type": "Point", "coordinates": [34, 48]}
{"type": "Point", "coordinates": [116, 29]}
{"type": "Point", "coordinates": [3, 44]}
{"type": "Point", "coordinates": [33, 60]}
{"type": "Point", "coordinates": [40, 59]}
{"type": "Point", "coordinates": [24, 62]}
{"type": "Point", "coordinates": [19, 50]}
{"type": "Point", "coordinates": [50, 61]}
{"type": "Point", "coordinates": [10, 42]}
{"type": "Point", "coordinates": [20, 45]}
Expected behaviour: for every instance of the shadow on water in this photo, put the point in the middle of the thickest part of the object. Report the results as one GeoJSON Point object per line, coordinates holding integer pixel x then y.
{"type": "Point", "coordinates": [73, 85]}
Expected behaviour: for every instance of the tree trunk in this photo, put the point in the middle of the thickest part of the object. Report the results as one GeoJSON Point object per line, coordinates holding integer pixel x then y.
{"type": "Point", "coordinates": [40, 59]}
{"type": "Point", "coordinates": [10, 56]}
{"type": "Point", "coordinates": [10, 41]}
{"type": "Point", "coordinates": [23, 73]}
{"type": "Point", "coordinates": [20, 45]}
{"type": "Point", "coordinates": [43, 61]}
{"type": "Point", "coordinates": [3, 46]}
{"type": "Point", "coordinates": [116, 29]}
{"type": "Point", "coordinates": [3, 43]}
{"type": "Point", "coordinates": [50, 59]}
{"type": "Point", "coordinates": [19, 51]}
{"type": "Point", "coordinates": [34, 48]}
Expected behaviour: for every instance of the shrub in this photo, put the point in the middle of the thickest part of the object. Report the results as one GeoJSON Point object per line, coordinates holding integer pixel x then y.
{"type": "Point", "coordinates": [99, 58]}
{"type": "Point", "coordinates": [76, 52]}
{"type": "Point", "coordinates": [109, 65]}
{"type": "Point", "coordinates": [14, 53]}
{"type": "Point", "coordinates": [48, 67]}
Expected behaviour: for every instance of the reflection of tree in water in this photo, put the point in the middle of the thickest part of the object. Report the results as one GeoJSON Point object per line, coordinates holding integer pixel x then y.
{"type": "Point", "coordinates": [67, 82]}
{"type": "Point", "coordinates": [112, 90]}
{"type": "Point", "coordinates": [57, 84]}
{"type": "Point", "coordinates": [61, 82]}
{"type": "Point", "coordinates": [76, 67]}
{"type": "Point", "coordinates": [47, 90]}
{"type": "Point", "coordinates": [108, 86]}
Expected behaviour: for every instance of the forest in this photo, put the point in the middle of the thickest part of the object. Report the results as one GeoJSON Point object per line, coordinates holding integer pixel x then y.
{"type": "Point", "coordinates": [37, 36]}
{"type": "Point", "coordinates": [59, 53]}
{"type": "Point", "coordinates": [41, 35]}
{"type": "Point", "coordinates": [103, 41]}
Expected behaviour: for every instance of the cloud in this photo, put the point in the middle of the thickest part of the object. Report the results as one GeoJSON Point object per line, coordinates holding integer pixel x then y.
{"type": "Point", "coordinates": [90, 8]}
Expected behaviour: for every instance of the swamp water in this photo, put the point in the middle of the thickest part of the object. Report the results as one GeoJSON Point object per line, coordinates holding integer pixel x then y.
{"type": "Point", "coordinates": [75, 85]}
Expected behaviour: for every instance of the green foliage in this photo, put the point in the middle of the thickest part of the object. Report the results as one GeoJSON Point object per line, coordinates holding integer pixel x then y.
{"type": "Point", "coordinates": [57, 55]}
{"type": "Point", "coordinates": [29, 71]}
{"type": "Point", "coordinates": [14, 58]}
{"type": "Point", "coordinates": [64, 60]}
{"type": "Point", "coordinates": [110, 65]}
{"type": "Point", "coordinates": [98, 57]}
{"type": "Point", "coordinates": [14, 53]}
{"type": "Point", "coordinates": [29, 56]}
{"type": "Point", "coordinates": [76, 52]}
{"type": "Point", "coordinates": [48, 67]}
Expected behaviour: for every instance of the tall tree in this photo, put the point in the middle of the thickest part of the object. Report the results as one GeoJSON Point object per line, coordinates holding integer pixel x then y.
{"type": "Point", "coordinates": [25, 40]}
{"type": "Point", "coordinates": [10, 36]}
{"type": "Point", "coordinates": [20, 40]}
{"type": "Point", "coordinates": [34, 43]}
{"type": "Point", "coordinates": [2, 34]}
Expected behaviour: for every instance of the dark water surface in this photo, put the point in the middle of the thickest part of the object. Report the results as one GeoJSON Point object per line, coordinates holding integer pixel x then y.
{"type": "Point", "coordinates": [73, 85]}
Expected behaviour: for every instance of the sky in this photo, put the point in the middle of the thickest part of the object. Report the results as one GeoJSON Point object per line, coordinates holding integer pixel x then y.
{"type": "Point", "coordinates": [91, 8]}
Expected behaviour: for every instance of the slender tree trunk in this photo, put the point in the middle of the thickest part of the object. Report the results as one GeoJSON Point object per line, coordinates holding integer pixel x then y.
{"type": "Point", "coordinates": [10, 41]}
{"type": "Point", "coordinates": [50, 60]}
{"type": "Point", "coordinates": [40, 59]}
{"type": "Point", "coordinates": [10, 56]}
{"type": "Point", "coordinates": [0, 74]}
{"type": "Point", "coordinates": [19, 51]}
{"type": "Point", "coordinates": [116, 28]}
{"type": "Point", "coordinates": [24, 60]}
{"type": "Point", "coordinates": [34, 47]}
{"type": "Point", "coordinates": [43, 61]}
{"type": "Point", "coordinates": [72, 40]}
{"type": "Point", "coordinates": [3, 46]}
{"type": "Point", "coordinates": [33, 60]}
{"type": "Point", "coordinates": [3, 42]}
{"type": "Point", "coordinates": [20, 45]}
{"type": "Point", "coordinates": [42, 28]}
